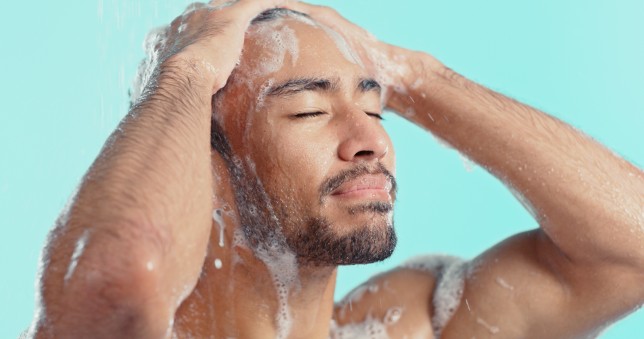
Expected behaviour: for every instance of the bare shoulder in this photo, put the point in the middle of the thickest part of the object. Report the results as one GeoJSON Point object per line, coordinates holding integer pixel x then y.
{"type": "Point", "coordinates": [524, 287]}
{"type": "Point", "coordinates": [399, 303]}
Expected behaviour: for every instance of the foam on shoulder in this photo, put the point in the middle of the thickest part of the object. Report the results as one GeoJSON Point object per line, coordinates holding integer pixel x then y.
{"type": "Point", "coordinates": [450, 282]}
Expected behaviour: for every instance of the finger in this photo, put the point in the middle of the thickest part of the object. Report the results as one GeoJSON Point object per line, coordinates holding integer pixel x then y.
{"type": "Point", "coordinates": [222, 3]}
{"type": "Point", "coordinates": [304, 7]}
{"type": "Point", "coordinates": [193, 7]}
{"type": "Point", "coordinates": [248, 9]}
{"type": "Point", "coordinates": [259, 6]}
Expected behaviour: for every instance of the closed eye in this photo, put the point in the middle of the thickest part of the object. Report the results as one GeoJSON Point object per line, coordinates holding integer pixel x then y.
{"type": "Point", "coordinates": [375, 115]}
{"type": "Point", "coordinates": [307, 115]}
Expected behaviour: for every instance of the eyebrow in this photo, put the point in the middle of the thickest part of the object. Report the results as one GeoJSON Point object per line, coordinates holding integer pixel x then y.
{"type": "Point", "coordinates": [297, 85]}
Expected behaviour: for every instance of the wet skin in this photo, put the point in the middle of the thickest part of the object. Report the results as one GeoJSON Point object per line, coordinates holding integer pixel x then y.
{"type": "Point", "coordinates": [296, 140]}
{"type": "Point", "coordinates": [579, 271]}
{"type": "Point", "coordinates": [242, 300]}
{"type": "Point", "coordinates": [299, 139]}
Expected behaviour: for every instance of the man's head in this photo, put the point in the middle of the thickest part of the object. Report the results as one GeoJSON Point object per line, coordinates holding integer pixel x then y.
{"type": "Point", "coordinates": [299, 126]}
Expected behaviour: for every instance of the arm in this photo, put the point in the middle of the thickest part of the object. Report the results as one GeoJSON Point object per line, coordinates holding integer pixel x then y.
{"type": "Point", "coordinates": [589, 202]}
{"type": "Point", "coordinates": [572, 184]}
{"type": "Point", "coordinates": [583, 268]}
{"type": "Point", "coordinates": [131, 245]}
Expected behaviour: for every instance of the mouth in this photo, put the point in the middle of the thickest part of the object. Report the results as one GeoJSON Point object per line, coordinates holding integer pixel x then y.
{"type": "Point", "coordinates": [366, 187]}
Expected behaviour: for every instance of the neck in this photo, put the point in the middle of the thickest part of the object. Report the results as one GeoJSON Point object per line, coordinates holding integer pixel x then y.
{"type": "Point", "coordinates": [296, 302]}
{"type": "Point", "coordinates": [258, 296]}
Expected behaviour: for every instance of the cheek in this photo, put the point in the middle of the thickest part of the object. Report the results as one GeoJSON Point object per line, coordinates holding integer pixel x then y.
{"type": "Point", "coordinates": [293, 162]}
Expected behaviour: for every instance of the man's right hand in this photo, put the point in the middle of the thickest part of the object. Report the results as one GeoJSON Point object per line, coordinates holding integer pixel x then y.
{"type": "Point", "coordinates": [207, 39]}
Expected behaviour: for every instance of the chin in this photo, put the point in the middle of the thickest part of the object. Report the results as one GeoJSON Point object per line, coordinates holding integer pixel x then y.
{"type": "Point", "coordinates": [363, 238]}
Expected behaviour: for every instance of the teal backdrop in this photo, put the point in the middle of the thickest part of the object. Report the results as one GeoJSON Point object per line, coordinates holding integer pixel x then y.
{"type": "Point", "coordinates": [67, 67]}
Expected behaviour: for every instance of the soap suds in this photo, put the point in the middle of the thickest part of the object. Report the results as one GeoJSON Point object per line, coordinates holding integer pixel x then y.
{"type": "Point", "coordinates": [450, 276]}
{"type": "Point", "coordinates": [78, 251]}
{"type": "Point", "coordinates": [274, 252]}
{"type": "Point", "coordinates": [492, 329]}
{"type": "Point", "coordinates": [504, 283]}
{"type": "Point", "coordinates": [342, 45]}
{"type": "Point", "coordinates": [346, 304]}
{"type": "Point", "coordinates": [276, 39]}
{"type": "Point", "coordinates": [393, 316]}
{"type": "Point", "coordinates": [217, 216]}
{"type": "Point", "coordinates": [417, 83]}
{"type": "Point", "coordinates": [467, 163]}
{"type": "Point", "coordinates": [155, 38]}
{"type": "Point", "coordinates": [369, 329]}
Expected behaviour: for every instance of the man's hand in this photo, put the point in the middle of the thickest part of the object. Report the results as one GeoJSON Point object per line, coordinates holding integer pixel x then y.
{"type": "Point", "coordinates": [381, 60]}
{"type": "Point", "coordinates": [207, 39]}
{"type": "Point", "coordinates": [396, 69]}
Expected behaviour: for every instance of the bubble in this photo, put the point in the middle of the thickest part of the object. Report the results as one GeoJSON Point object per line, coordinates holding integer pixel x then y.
{"type": "Point", "coordinates": [277, 40]}
{"type": "Point", "coordinates": [393, 316]}
{"type": "Point", "coordinates": [492, 329]}
{"type": "Point", "coordinates": [217, 216]}
{"type": "Point", "coordinates": [504, 284]}
{"type": "Point", "coordinates": [78, 251]}
{"type": "Point", "coordinates": [369, 328]}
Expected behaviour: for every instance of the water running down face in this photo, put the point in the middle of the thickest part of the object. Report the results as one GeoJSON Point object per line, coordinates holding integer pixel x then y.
{"type": "Point", "coordinates": [299, 126]}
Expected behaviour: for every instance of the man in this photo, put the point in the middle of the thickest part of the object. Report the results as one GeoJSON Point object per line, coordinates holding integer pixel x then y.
{"type": "Point", "coordinates": [167, 237]}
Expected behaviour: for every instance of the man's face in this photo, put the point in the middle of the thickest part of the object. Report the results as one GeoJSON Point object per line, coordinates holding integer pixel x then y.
{"type": "Point", "coordinates": [302, 117]}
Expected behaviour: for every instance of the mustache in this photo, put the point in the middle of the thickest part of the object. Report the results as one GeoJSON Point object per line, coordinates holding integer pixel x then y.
{"type": "Point", "coordinates": [331, 184]}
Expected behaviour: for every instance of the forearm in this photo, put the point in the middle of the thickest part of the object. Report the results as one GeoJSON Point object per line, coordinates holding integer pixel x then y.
{"type": "Point", "coordinates": [156, 171]}
{"type": "Point", "coordinates": [142, 214]}
{"type": "Point", "coordinates": [588, 200]}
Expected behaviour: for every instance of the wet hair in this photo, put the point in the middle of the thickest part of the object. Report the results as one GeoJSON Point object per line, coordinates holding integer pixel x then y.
{"type": "Point", "coordinates": [276, 13]}
{"type": "Point", "coordinates": [218, 140]}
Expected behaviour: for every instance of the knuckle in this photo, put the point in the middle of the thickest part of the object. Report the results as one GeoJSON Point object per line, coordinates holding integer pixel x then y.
{"type": "Point", "coordinates": [194, 6]}
{"type": "Point", "coordinates": [326, 10]}
{"type": "Point", "coordinates": [220, 81]}
{"type": "Point", "coordinates": [176, 22]}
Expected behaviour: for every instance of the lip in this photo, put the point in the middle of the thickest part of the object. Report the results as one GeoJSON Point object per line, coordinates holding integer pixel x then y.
{"type": "Point", "coordinates": [366, 186]}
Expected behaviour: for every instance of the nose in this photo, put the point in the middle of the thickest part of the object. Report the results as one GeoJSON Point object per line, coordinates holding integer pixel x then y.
{"type": "Point", "coordinates": [363, 139]}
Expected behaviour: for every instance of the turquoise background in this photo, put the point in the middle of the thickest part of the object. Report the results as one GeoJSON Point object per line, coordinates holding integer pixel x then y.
{"type": "Point", "coordinates": [67, 66]}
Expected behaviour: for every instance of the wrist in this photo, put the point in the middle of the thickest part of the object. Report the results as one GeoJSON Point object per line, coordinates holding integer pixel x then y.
{"type": "Point", "coordinates": [175, 90]}
{"type": "Point", "coordinates": [182, 81]}
{"type": "Point", "coordinates": [421, 71]}
{"type": "Point", "coordinates": [422, 68]}
{"type": "Point", "coordinates": [197, 72]}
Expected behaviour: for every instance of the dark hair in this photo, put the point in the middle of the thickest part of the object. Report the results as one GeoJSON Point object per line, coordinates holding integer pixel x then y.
{"type": "Point", "coordinates": [276, 13]}
{"type": "Point", "coordinates": [218, 140]}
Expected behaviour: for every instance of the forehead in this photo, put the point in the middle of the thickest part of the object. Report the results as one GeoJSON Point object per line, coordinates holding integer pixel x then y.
{"type": "Point", "coordinates": [288, 47]}
{"type": "Point", "coordinates": [276, 52]}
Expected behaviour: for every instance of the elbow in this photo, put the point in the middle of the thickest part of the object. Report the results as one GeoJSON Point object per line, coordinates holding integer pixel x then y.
{"type": "Point", "coordinates": [128, 302]}
{"type": "Point", "coordinates": [112, 287]}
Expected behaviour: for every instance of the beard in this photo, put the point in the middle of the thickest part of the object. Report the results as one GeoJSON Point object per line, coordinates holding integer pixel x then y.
{"type": "Point", "coordinates": [272, 225]}
{"type": "Point", "coordinates": [319, 245]}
